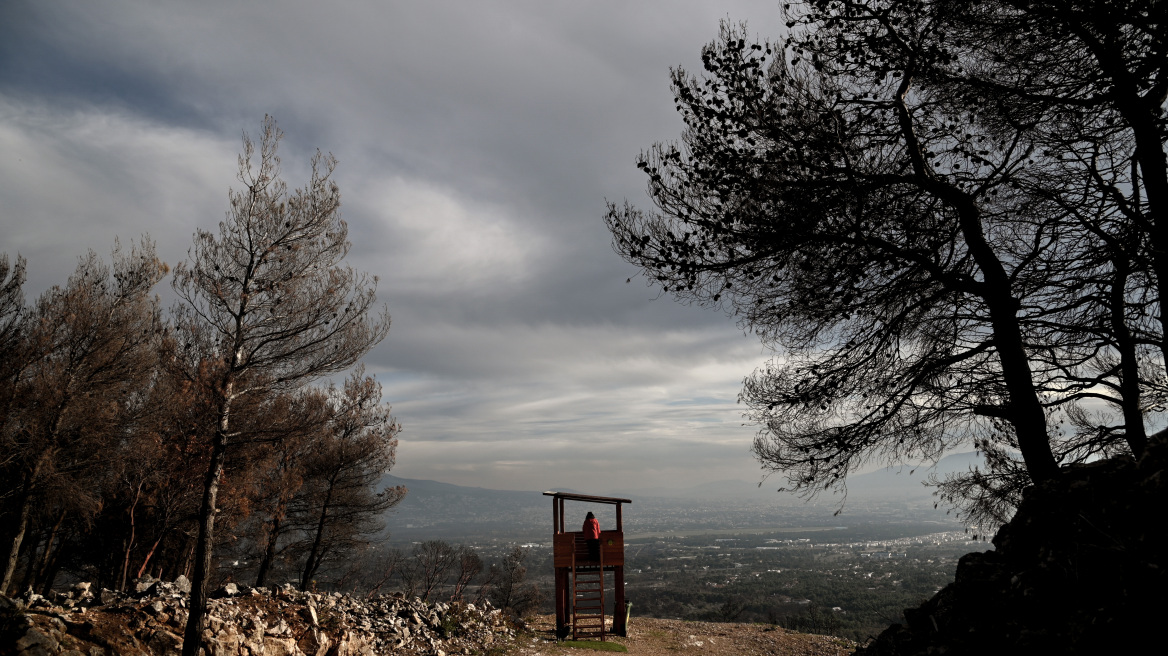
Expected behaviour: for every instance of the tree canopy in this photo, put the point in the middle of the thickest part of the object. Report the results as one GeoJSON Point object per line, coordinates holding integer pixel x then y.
{"type": "Point", "coordinates": [270, 297]}
{"type": "Point", "coordinates": [136, 442]}
{"type": "Point", "coordinates": [944, 216]}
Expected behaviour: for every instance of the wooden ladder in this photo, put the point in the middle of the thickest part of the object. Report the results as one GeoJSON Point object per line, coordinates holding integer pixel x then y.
{"type": "Point", "coordinates": [588, 599]}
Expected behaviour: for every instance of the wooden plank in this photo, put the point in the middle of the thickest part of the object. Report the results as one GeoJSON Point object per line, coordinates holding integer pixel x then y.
{"type": "Point", "coordinates": [586, 497]}
{"type": "Point", "coordinates": [612, 547]}
{"type": "Point", "coordinates": [564, 547]}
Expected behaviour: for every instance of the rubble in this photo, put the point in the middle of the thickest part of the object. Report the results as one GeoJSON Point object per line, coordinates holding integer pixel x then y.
{"type": "Point", "coordinates": [243, 621]}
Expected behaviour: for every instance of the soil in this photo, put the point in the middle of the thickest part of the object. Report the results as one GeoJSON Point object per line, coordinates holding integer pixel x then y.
{"type": "Point", "coordinates": [660, 637]}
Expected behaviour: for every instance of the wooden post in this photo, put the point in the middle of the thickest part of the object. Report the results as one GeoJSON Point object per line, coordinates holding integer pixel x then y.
{"type": "Point", "coordinates": [555, 518]}
{"type": "Point", "coordinates": [618, 611]}
{"type": "Point", "coordinates": [561, 601]}
{"type": "Point", "coordinates": [619, 525]}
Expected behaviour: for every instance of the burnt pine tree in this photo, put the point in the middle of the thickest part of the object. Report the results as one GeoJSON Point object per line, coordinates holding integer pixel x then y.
{"type": "Point", "coordinates": [85, 356]}
{"type": "Point", "coordinates": [279, 305]}
{"type": "Point", "coordinates": [945, 238]}
{"type": "Point", "coordinates": [298, 419]}
{"type": "Point", "coordinates": [338, 508]}
{"type": "Point", "coordinates": [469, 566]}
{"type": "Point", "coordinates": [11, 307]}
{"type": "Point", "coordinates": [507, 585]}
{"type": "Point", "coordinates": [431, 565]}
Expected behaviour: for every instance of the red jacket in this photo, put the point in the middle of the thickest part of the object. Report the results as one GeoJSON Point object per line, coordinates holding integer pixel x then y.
{"type": "Point", "coordinates": [592, 529]}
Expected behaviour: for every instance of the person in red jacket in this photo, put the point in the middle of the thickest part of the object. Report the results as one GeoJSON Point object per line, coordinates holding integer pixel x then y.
{"type": "Point", "coordinates": [592, 536]}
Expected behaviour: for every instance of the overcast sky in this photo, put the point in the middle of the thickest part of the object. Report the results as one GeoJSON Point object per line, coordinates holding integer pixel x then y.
{"type": "Point", "coordinates": [478, 142]}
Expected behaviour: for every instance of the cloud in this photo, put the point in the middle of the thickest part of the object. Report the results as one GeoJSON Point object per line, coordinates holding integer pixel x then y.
{"type": "Point", "coordinates": [74, 180]}
{"type": "Point", "coordinates": [477, 145]}
{"type": "Point", "coordinates": [436, 243]}
{"type": "Point", "coordinates": [582, 394]}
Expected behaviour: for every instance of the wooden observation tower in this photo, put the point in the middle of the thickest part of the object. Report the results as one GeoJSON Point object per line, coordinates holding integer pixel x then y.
{"type": "Point", "coordinates": [580, 592]}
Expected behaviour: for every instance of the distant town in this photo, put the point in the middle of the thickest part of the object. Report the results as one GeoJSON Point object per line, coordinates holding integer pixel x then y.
{"type": "Point", "coordinates": [727, 558]}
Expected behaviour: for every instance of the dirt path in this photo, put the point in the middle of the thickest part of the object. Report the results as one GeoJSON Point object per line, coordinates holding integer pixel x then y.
{"type": "Point", "coordinates": [657, 637]}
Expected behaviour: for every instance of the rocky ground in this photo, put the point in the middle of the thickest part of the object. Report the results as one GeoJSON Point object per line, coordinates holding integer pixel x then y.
{"type": "Point", "coordinates": [658, 637]}
{"type": "Point", "coordinates": [245, 622]}
{"type": "Point", "coordinates": [286, 622]}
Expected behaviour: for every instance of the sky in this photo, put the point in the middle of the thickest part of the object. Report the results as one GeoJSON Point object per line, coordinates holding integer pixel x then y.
{"type": "Point", "coordinates": [478, 143]}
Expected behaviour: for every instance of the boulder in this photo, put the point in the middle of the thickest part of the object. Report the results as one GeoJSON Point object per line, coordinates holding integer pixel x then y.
{"type": "Point", "coordinates": [182, 584]}
{"type": "Point", "coordinates": [1071, 572]}
{"type": "Point", "coordinates": [281, 647]}
{"type": "Point", "coordinates": [163, 642]}
{"type": "Point", "coordinates": [227, 590]}
{"type": "Point", "coordinates": [36, 642]}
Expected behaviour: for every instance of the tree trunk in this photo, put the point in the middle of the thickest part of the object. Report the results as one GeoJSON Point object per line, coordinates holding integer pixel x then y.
{"type": "Point", "coordinates": [204, 545]}
{"type": "Point", "coordinates": [313, 562]}
{"type": "Point", "coordinates": [42, 574]}
{"type": "Point", "coordinates": [153, 547]}
{"type": "Point", "coordinates": [270, 548]}
{"type": "Point", "coordinates": [1129, 373]}
{"type": "Point", "coordinates": [129, 541]}
{"type": "Point", "coordinates": [29, 551]}
{"type": "Point", "coordinates": [1025, 411]}
{"type": "Point", "coordinates": [21, 527]}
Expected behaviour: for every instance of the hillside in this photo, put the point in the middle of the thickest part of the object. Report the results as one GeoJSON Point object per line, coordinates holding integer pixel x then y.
{"type": "Point", "coordinates": [1079, 569]}
{"type": "Point", "coordinates": [286, 622]}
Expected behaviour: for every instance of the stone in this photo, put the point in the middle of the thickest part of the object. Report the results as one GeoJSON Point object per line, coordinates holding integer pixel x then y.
{"type": "Point", "coordinates": [286, 622]}
{"type": "Point", "coordinates": [280, 628]}
{"type": "Point", "coordinates": [183, 584]}
{"type": "Point", "coordinates": [143, 584]}
{"type": "Point", "coordinates": [228, 590]}
{"type": "Point", "coordinates": [164, 642]}
{"type": "Point", "coordinates": [107, 596]}
{"type": "Point", "coordinates": [34, 643]}
{"type": "Point", "coordinates": [152, 589]}
{"type": "Point", "coordinates": [274, 646]}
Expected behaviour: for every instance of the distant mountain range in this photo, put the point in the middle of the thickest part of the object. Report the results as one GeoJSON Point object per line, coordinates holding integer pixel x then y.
{"type": "Point", "coordinates": [908, 480]}
{"type": "Point", "coordinates": [433, 509]}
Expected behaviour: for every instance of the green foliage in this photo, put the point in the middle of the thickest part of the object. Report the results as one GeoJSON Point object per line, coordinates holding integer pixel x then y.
{"type": "Point", "coordinates": [451, 626]}
{"type": "Point", "coordinates": [814, 620]}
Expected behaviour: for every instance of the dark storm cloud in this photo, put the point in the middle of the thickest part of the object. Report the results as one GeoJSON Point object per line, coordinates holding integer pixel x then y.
{"type": "Point", "coordinates": [478, 143]}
